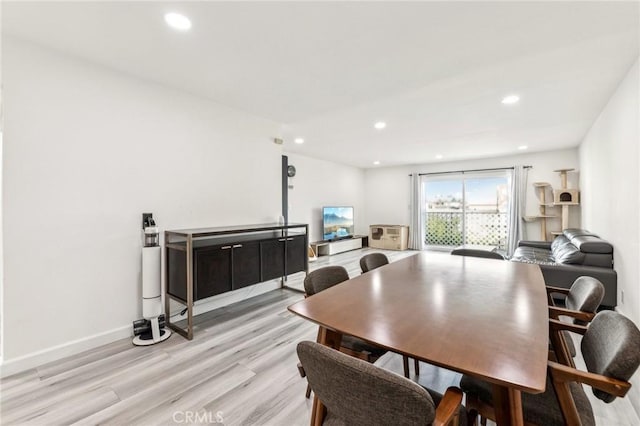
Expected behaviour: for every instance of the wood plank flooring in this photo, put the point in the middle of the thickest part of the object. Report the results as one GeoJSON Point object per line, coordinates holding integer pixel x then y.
{"type": "Point", "coordinates": [240, 369]}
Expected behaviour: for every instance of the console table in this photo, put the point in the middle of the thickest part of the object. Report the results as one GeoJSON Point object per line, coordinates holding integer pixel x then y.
{"type": "Point", "coordinates": [204, 262]}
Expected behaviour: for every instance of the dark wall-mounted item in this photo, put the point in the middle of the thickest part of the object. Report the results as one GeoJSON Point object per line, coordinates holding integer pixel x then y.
{"type": "Point", "coordinates": [285, 188]}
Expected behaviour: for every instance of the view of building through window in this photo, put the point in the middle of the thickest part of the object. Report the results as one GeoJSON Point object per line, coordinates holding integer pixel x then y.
{"type": "Point", "coordinates": [466, 210]}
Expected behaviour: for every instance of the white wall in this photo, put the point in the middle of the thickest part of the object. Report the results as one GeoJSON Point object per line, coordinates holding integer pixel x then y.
{"type": "Point", "coordinates": [1, 248]}
{"type": "Point", "coordinates": [321, 183]}
{"type": "Point", "coordinates": [609, 157]}
{"type": "Point", "coordinates": [86, 152]}
{"type": "Point", "coordinates": [387, 189]}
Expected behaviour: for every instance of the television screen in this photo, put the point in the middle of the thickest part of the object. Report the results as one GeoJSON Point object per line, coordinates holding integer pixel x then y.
{"type": "Point", "coordinates": [337, 222]}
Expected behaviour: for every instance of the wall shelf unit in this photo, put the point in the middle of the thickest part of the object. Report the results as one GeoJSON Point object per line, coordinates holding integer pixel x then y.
{"type": "Point", "coordinates": [563, 197]}
{"type": "Point", "coordinates": [205, 262]}
{"type": "Point", "coordinates": [543, 206]}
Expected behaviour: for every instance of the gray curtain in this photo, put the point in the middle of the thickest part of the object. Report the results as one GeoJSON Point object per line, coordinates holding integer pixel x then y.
{"type": "Point", "coordinates": [416, 227]}
{"type": "Point", "coordinates": [518, 193]}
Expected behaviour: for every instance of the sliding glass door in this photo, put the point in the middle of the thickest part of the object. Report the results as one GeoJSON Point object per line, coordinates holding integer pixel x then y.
{"type": "Point", "coordinates": [444, 212]}
{"type": "Point", "coordinates": [466, 209]}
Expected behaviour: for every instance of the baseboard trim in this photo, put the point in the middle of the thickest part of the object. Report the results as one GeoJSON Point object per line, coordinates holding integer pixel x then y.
{"type": "Point", "coordinates": [35, 359]}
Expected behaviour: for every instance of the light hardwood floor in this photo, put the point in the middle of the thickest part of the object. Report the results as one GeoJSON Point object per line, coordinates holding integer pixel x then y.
{"type": "Point", "coordinates": [240, 369]}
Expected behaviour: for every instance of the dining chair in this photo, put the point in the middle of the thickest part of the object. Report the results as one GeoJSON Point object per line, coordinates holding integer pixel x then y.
{"type": "Point", "coordinates": [477, 253]}
{"type": "Point", "coordinates": [355, 392]}
{"type": "Point", "coordinates": [320, 280]}
{"type": "Point", "coordinates": [372, 261]}
{"type": "Point", "coordinates": [581, 304]}
{"type": "Point", "coordinates": [610, 350]}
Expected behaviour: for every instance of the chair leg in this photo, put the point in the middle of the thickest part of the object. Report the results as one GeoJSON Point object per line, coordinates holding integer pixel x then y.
{"type": "Point", "coordinates": [304, 374]}
{"type": "Point", "coordinates": [472, 417]}
{"type": "Point", "coordinates": [308, 393]}
{"type": "Point", "coordinates": [417, 366]}
{"type": "Point", "coordinates": [473, 411]}
{"type": "Point", "coordinates": [405, 365]}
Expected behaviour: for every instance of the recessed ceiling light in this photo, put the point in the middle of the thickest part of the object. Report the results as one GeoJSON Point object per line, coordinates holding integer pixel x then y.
{"type": "Point", "coordinates": [439, 156]}
{"type": "Point", "coordinates": [177, 21]}
{"type": "Point", "coordinates": [522, 147]}
{"type": "Point", "coordinates": [511, 99]}
{"type": "Point", "coordinates": [380, 125]}
{"type": "Point", "coordinates": [298, 140]}
{"type": "Point", "coordinates": [376, 162]}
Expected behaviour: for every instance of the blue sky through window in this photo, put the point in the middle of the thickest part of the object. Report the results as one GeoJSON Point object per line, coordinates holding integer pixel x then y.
{"type": "Point", "coordinates": [479, 191]}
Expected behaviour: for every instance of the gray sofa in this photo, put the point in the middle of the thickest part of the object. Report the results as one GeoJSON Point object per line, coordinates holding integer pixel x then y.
{"type": "Point", "coordinates": [575, 253]}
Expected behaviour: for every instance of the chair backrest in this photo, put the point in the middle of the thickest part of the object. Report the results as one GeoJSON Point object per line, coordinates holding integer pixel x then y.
{"type": "Point", "coordinates": [477, 253]}
{"type": "Point", "coordinates": [611, 347]}
{"type": "Point", "coordinates": [585, 294]}
{"type": "Point", "coordinates": [356, 392]}
{"type": "Point", "coordinates": [323, 278]}
{"type": "Point", "coordinates": [373, 261]}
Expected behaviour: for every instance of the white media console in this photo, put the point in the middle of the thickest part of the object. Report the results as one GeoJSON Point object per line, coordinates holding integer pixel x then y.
{"type": "Point", "coordinates": [325, 248]}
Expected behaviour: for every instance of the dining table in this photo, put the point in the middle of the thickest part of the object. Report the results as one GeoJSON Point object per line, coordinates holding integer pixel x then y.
{"type": "Point", "coordinates": [486, 318]}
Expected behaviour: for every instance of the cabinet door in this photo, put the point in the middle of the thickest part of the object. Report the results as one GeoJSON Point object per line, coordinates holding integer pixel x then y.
{"type": "Point", "coordinates": [177, 273]}
{"type": "Point", "coordinates": [296, 254]}
{"type": "Point", "coordinates": [272, 258]}
{"type": "Point", "coordinates": [246, 264]}
{"type": "Point", "coordinates": [212, 272]}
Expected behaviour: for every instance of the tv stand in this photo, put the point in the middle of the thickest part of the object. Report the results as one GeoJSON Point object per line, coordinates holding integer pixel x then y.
{"type": "Point", "coordinates": [327, 248]}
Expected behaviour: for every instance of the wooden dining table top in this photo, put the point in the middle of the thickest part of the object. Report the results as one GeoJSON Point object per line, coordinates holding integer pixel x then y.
{"type": "Point", "coordinates": [483, 317]}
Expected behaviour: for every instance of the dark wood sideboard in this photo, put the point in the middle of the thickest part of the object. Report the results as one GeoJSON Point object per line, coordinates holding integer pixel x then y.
{"type": "Point", "coordinates": [201, 263]}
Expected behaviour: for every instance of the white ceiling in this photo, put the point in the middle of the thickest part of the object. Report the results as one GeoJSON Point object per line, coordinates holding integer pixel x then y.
{"type": "Point", "coordinates": [435, 72]}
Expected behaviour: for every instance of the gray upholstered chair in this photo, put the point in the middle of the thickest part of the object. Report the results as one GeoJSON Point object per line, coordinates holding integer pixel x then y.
{"type": "Point", "coordinates": [581, 304]}
{"type": "Point", "coordinates": [477, 253]}
{"type": "Point", "coordinates": [372, 261]}
{"type": "Point", "coordinates": [355, 392]}
{"type": "Point", "coordinates": [610, 350]}
{"type": "Point", "coordinates": [322, 279]}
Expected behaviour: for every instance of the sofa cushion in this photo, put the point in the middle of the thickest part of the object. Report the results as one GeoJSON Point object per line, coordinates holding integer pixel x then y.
{"type": "Point", "coordinates": [568, 253]}
{"type": "Point", "coordinates": [592, 244]}
{"type": "Point", "coordinates": [560, 240]}
{"type": "Point", "coordinates": [533, 255]}
{"type": "Point", "coordinates": [537, 244]}
{"type": "Point", "coordinates": [577, 232]}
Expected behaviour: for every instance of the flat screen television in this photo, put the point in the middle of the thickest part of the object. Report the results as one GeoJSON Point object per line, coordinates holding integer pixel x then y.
{"type": "Point", "coordinates": [337, 223]}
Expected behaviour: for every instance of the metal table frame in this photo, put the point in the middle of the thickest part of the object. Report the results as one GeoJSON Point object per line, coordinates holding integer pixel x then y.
{"type": "Point", "coordinates": [189, 235]}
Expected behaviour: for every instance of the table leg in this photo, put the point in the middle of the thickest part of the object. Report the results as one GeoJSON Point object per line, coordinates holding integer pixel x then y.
{"type": "Point", "coordinates": [332, 339]}
{"type": "Point", "coordinates": [507, 403]}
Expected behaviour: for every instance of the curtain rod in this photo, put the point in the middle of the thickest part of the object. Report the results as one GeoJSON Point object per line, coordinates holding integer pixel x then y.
{"type": "Point", "coordinates": [471, 171]}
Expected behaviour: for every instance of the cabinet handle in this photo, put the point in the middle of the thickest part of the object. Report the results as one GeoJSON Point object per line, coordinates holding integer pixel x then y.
{"type": "Point", "coordinates": [282, 239]}
{"type": "Point", "coordinates": [225, 248]}
{"type": "Point", "coordinates": [237, 245]}
{"type": "Point", "coordinates": [289, 239]}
